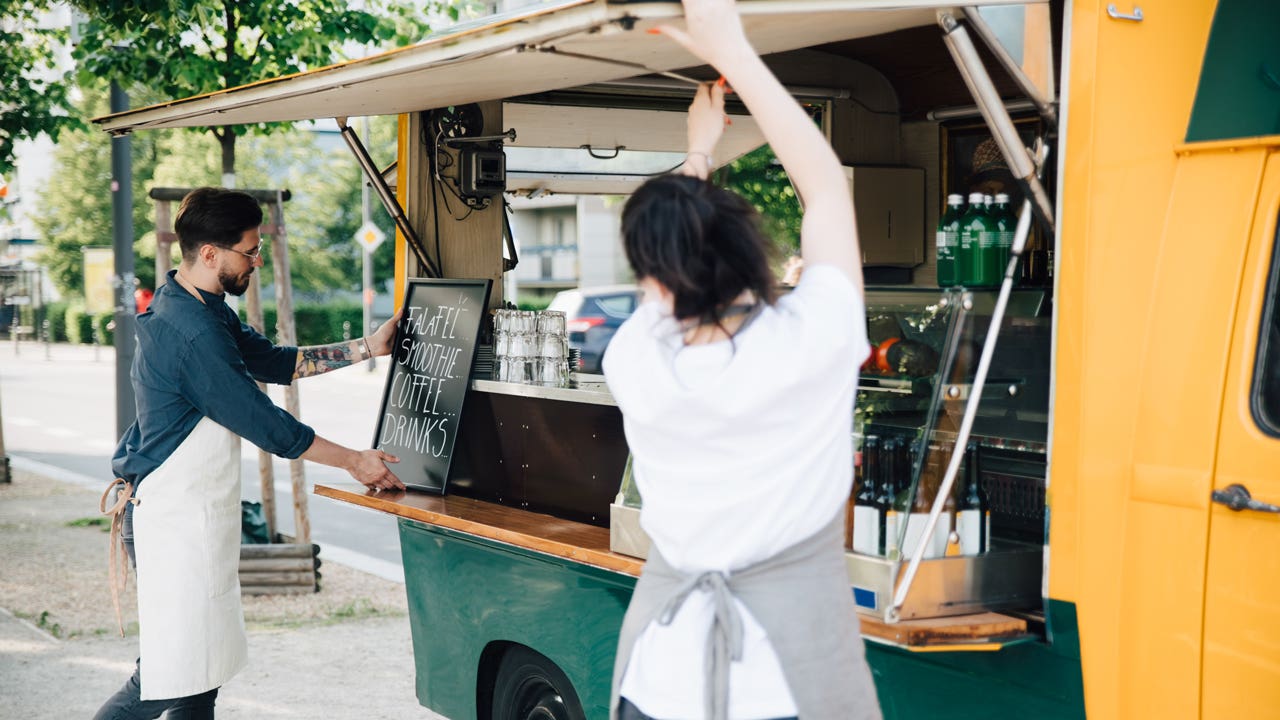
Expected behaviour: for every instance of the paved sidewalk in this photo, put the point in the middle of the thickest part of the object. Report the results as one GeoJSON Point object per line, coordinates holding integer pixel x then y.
{"type": "Point", "coordinates": [360, 669]}
{"type": "Point", "coordinates": [344, 652]}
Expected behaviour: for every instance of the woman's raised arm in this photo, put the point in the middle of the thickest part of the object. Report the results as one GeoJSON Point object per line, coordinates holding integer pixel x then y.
{"type": "Point", "coordinates": [828, 233]}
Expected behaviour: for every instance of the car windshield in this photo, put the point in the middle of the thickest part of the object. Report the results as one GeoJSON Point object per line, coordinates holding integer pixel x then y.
{"type": "Point", "coordinates": [566, 302]}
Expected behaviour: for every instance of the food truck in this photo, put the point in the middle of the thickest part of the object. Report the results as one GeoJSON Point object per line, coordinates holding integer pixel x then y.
{"type": "Point", "coordinates": [1108, 404]}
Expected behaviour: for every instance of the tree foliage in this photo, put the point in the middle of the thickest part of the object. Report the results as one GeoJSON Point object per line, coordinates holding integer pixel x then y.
{"type": "Point", "coordinates": [759, 177]}
{"type": "Point", "coordinates": [75, 209]}
{"type": "Point", "coordinates": [181, 48]}
{"type": "Point", "coordinates": [33, 94]}
{"type": "Point", "coordinates": [316, 167]}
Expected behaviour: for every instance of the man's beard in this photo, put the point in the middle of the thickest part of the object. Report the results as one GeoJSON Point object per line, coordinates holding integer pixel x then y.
{"type": "Point", "coordinates": [233, 283]}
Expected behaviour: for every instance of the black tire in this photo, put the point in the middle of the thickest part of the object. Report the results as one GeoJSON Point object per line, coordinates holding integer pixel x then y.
{"type": "Point", "coordinates": [528, 686]}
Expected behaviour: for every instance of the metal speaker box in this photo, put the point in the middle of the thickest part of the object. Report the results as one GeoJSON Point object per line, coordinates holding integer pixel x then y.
{"type": "Point", "coordinates": [484, 172]}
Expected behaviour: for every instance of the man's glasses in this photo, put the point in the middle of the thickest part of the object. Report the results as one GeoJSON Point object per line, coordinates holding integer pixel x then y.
{"type": "Point", "coordinates": [253, 254]}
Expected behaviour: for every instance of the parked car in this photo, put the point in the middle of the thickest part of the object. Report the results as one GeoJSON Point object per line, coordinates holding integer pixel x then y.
{"type": "Point", "coordinates": [593, 316]}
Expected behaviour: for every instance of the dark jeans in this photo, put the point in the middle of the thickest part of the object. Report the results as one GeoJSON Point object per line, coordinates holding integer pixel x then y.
{"type": "Point", "coordinates": [127, 703]}
{"type": "Point", "coordinates": [627, 711]}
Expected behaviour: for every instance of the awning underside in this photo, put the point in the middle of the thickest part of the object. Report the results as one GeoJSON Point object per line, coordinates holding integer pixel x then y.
{"type": "Point", "coordinates": [519, 56]}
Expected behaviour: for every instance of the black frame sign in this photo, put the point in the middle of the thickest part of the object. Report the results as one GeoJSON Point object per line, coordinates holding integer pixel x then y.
{"type": "Point", "coordinates": [429, 377]}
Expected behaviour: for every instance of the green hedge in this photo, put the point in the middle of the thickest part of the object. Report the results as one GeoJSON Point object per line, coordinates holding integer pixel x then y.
{"type": "Point", "coordinates": [535, 304]}
{"type": "Point", "coordinates": [102, 323]}
{"type": "Point", "coordinates": [56, 314]}
{"type": "Point", "coordinates": [79, 325]}
{"type": "Point", "coordinates": [316, 324]}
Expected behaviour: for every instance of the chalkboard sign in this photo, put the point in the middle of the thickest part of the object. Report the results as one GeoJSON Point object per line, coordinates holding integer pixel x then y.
{"type": "Point", "coordinates": [429, 376]}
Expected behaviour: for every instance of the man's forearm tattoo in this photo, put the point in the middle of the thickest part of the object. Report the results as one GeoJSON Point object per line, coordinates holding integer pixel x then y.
{"type": "Point", "coordinates": [319, 359]}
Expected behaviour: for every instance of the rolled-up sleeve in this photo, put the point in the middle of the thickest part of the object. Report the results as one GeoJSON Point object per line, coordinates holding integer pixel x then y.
{"type": "Point", "coordinates": [217, 382]}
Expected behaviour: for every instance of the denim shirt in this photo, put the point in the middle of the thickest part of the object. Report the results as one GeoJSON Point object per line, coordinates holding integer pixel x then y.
{"type": "Point", "coordinates": [196, 360]}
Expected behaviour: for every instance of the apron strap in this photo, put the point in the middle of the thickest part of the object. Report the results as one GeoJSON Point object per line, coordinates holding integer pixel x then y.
{"type": "Point", "coordinates": [724, 638]}
{"type": "Point", "coordinates": [117, 557]}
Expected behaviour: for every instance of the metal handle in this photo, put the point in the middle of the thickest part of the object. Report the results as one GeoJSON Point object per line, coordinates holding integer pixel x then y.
{"type": "Point", "coordinates": [1237, 497]}
{"type": "Point", "coordinates": [1115, 13]}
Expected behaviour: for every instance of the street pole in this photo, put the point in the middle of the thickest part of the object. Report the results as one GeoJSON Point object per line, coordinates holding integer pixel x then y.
{"type": "Point", "coordinates": [125, 282]}
{"type": "Point", "coordinates": [366, 254]}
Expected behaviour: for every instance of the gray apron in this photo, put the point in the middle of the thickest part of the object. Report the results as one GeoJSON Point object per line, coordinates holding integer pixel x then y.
{"type": "Point", "coordinates": [801, 598]}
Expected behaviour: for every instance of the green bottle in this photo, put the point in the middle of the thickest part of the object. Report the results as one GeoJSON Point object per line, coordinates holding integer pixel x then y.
{"type": "Point", "coordinates": [1006, 223]}
{"type": "Point", "coordinates": [976, 243]}
{"type": "Point", "coordinates": [949, 241]}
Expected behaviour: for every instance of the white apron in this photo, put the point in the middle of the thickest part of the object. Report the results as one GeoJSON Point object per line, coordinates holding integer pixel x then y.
{"type": "Point", "coordinates": [186, 530]}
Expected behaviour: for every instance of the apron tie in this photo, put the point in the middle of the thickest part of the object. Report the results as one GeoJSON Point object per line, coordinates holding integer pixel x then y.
{"type": "Point", "coordinates": [724, 639]}
{"type": "Point", "coordinates": [117, 557]}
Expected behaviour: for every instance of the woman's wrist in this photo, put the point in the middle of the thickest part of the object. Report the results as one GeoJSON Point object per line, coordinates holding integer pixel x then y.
{"type": "Point", "coordinates": [697, 164]}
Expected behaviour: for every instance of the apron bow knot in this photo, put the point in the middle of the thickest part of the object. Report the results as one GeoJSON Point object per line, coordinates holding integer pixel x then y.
{"type": "Point", "coordinates": [724, 639]}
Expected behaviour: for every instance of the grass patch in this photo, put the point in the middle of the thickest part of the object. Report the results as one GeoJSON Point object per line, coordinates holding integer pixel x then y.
{"type": "Point", "coordinates": [99, 521]}
{"type": "Point", "coordinates": [43, 622]}
{"type": "Point", "coordinates": [358, 609]}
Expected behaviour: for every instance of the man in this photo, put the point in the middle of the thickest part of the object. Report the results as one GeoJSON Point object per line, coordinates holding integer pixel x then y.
{"type": "Point", "coordinates": [193, 377]}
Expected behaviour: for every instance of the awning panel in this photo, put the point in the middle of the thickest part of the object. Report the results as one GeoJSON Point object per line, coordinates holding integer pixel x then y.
{"type": "Point", "coordinates": [520, 55]}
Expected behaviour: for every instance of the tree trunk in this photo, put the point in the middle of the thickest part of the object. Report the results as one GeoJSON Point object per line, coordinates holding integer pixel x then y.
{"type": "Point", "coordinates": [227, 139]}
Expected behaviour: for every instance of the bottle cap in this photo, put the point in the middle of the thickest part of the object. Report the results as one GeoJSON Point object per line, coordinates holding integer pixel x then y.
{"type": "Point", "coordinates": [1002, 197]}
{"type": "Point", "coordinates": [975, 198]}
{"type": "Point", "coordinates": [987, 199]}
{"type": "Point", "coordinates": [955, 199]}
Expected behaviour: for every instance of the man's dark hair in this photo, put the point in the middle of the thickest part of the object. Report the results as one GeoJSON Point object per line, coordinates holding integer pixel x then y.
{"type": "Point", "coordinates": [214, 216]}
{"type": "Point", "coordinates": [702, 242]}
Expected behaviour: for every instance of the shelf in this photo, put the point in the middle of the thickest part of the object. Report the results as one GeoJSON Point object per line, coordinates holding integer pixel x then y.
{"type": "Point", "coordinates": [981, 632]}
{"type": "Point", "coordinates": [571, 540]}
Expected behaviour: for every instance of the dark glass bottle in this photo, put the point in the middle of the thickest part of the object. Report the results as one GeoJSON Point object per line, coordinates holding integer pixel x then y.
{"type": "Point", "coordinates": [948, 537]}
{"type": "Point", "coordinates": [974, 521]}
{"type": "Point", "coordinates": [866, 516]}
{"type": "Point", "coordinates": [885, 498]}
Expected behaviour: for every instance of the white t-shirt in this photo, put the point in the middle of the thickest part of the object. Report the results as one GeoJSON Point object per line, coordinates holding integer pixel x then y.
{"type": "Point", "coordinates": [741, 450]}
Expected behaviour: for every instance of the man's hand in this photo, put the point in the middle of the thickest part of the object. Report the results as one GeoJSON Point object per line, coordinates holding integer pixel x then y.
{"type": "Point", "coordinates": [380, 341]}
{"type": "Point", "coordinates": [367, 466]}
{"type": "Point", "coordinates": [370, 468]}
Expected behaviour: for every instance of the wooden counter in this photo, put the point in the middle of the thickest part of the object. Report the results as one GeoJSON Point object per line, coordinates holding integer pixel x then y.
{"type": "Point", "coordinates": [575, 541]}
{"type": "Point", "coordinates": [589, 544]}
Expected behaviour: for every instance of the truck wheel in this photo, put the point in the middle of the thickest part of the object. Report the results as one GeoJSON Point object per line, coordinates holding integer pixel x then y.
{"type": "Point", "coordinates": [530, 687]}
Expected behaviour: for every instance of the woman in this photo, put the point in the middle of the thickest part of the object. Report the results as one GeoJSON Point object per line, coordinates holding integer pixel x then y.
{"type": "Point", "coordinates": [738, 409]}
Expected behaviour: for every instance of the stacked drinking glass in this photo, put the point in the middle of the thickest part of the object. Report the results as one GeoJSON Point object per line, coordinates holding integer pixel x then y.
{"type": "Point", "coordinates": [531, 347]}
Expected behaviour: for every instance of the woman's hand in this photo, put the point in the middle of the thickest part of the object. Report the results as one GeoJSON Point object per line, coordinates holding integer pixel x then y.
{"type": "Point", "coordinates": [713, 31]}
{"type": "Point", "coordinates": [380, 341]}
{"type": "Point", "coordinates": [706, 125]}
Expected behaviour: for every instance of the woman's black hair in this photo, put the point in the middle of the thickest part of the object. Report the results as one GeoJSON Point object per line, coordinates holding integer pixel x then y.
{"type": "Point", "coordinates": [214, 216]}
{"type": "Point", "coordinates": [701, 242]}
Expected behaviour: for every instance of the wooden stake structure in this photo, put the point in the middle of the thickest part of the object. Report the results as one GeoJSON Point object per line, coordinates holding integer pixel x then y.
{"type": "Point", "coordinates": [288, 335]}
{"type": "Point", "coordinates": [266, 471]}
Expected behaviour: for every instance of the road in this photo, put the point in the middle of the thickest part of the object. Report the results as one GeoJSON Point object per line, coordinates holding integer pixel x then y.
{"type": "Point", "coordinates": [58, 417]}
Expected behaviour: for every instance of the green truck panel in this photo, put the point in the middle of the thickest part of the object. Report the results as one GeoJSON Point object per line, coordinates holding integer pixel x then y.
{"type": "Point", "coordinates": [467, 594]}
{"type": "Point", "coordinates": [1239, 92]}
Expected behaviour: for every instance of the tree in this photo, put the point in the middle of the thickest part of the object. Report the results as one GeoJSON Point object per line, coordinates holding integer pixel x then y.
{"type": "Point", "coordinates": [759, 177]}
{"type": "Point", "coordinates": [76, 207]}
{"type": "Point", "coordinates": [321, 218]}
{"type": "Point", "coordinates": [33, 94]}
{"type": "Point", "coordinates": [181, 48]}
